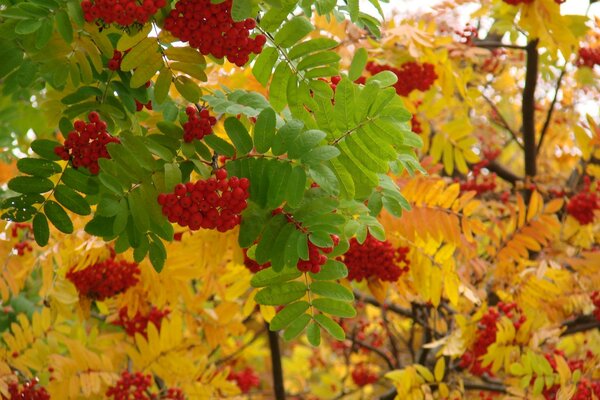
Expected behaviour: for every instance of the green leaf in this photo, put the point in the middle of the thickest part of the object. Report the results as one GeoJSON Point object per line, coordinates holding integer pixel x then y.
{"type": "Point", "coordinates": [325, 178]}
{"type": "Point", "coordinates": [311, 46]}
{"type": "Point", "coordinates": [72, 200]}
{"type": "Point", "coordinates": [318, 155]}
{"type": "Point", "coordinates": [278, 87]}
{"type": "Point", "coordinates": [79, 181]}
{"type": "Point", "coordinates": [100, 226]}
{"type": "Point", "coordinates": [296, 186]}
{"type": "Point", "coordinates": [359, 61]}
{"type": "Point", "coordinates": [188, 89]}
{"type": "Point", "coordinates": [278, 248]}
{"type": "Point", "coordinates": [220, 145]}
{"type": "Point", "coordinates": [313, 334]}
{"type": "Point", "coordinates": [194, 70]}
{"type": "Point", "coordinates": [332, 290]}
{"type": "Point", "coordinates": [263, 65]}
{"type": "Point", "coordinates": [185, 54]}
{"type": "Point", "coordinates": [282, 294]}
{"type": "Point", "coordinates": [268, 277]}
{"type": "Point", "coordinates": [279, 173]}
{"type": "Point", "coordinates": [139, 54]}
{"type": "Point", "coordinates": [384, 78]}
{"type": "Point", "coordinates": [241, 9]}
{"type": "Point", "coordinates": [334, 307]}
{"type": "Point", "coordinates": [27, 26]}
{"type": "Point", "coordinates": [239, 135]}
{"type": "Point", "coordinates": [30, 184]}
{"type": "Point", "coordinates": [264, 249]}
{"type": "Point", "coordinates": [158, 254]}
{"type": "Point", "coordinates": [63, 25]}
{"type": "Point", "coordinates": [172, 176]}
{"type": "Point", "coordinates": [41, 232]}
{"type": "Point", "coordinates": [162, 85]}
{"type": "Point", "coordinates": [44, 34]}
{"type": "Point", "coordinates": [38, 167]}
{"type": "Point", "coordinates": [288, 314]}
{"type": "Point", "coordinates": [296, 327]}
{"type": "Point", "coordinates": [81, 94]}
{"type": "Point", "coordinates": [146, 71]}
{"type": "Point", "coordinates": [332, 327]}
{"type": "Point", "coordinates": [264, 130]}
{"type": "Point", "coordinates": [45, 149]}
{"type": "Point", "coordinates": [306, 141]}
{"type": "Point", "coordinates": [139, 151]}
{"type": "Point", "coordinates": [344, 108]}
{"type": "Point", "coordinates": [58, 216]}
{"type": "Point", "coordinates": [253, 222]}
{"type": "Point", "coordinates": [322, 58]}
{"type": "Point", "coordinates": [292, 31]}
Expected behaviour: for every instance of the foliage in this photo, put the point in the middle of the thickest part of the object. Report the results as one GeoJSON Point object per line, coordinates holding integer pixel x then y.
{"type": "Point", "coordinates": [168, 201]}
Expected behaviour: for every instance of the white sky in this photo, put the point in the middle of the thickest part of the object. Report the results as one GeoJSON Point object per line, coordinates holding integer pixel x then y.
{"type": "Point", "coordinates": [569, 7]}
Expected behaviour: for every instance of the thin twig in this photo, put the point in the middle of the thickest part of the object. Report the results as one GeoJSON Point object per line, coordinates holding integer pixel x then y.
{"type": "Point", "coordinates": [550, 110]}
{"type": "Point", "coordinates": [494, 45]}
{"type": "Point", "coordinates": [503, 121]}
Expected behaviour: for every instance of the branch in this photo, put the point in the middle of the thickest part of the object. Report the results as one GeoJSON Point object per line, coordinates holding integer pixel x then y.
{"type": "Point", "coordinates": [488, 387]}
{"type": "Point", "coordinates": [580, 324]}
{"type": "Point", "coordinates": [550, 110]}
{"type": "Point", "coordinates": [377, 351]}
{"type": "Point", "coordinates": [503, 172]}
{"type": "Point", "coordinates": [486, 44]}
{"type": "Point", "coordinates": [393, 308]}
{"type": "Point", "coordinates": [278, 387]}
{"type": "Point", "coordinates": [528, 109]}
{"type": "Point", "coordinates": [503, 121]}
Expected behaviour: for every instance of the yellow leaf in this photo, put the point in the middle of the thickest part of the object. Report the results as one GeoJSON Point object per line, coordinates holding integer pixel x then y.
{"type": "Point", "coordinates": [553, 206]}
{"type": "Point", "coordinates": [439, 369]}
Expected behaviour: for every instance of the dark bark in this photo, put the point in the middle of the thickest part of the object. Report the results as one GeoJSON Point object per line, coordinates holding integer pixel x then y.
{"type": "Point", "coordinates": [528, 109]}
{"type": "Point", "coordinates": [278, 387]}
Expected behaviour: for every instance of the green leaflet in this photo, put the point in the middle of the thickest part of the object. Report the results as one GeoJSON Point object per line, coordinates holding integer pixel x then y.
{"type": "Point", "coordinates": [332, 290]}
{"type": "Point", "coordinates": [292, 31]}
{"type": "Point", "coordinates": [58, 216]}
{"type": "Point", "coordinates": [334, 307]}
{"type": "Point", "coordinates": [263, 65]}
{"type": "Point", "coordinates": [283, 294]}
{"type": "Point", "coordinates": [30, 184]}
{"type": "Point", "coordinates": [268, 277]}
{"type": "Point", "coordinates": [72, 200]}
{"type": "Point", "coordinates": [38, 167]}
{"type": "Point", "coordinates": [264, 130]}
{"type": "Point", "coordinates": [41, 231]}
{"type": "Point", "coordinates": [239, 136]}
{"type": "Point", "coordinates": [313, 334]}
{"type": "Point", "coordinates": [288, 314]}
{"type": "Point", "coordinates": [331, 270]}
{"type": "Point", "coordinates": [332, 327]}
{"type": "Point", "coordinates": [296, 327]}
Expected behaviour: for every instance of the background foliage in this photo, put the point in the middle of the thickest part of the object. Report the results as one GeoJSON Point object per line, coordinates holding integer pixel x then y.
{"type": "Point", "coordinates": [455, 165]}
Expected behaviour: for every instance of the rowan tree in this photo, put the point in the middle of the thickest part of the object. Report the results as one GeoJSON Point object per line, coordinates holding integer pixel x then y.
{"type": "Point", "coordinates": [299, 199]}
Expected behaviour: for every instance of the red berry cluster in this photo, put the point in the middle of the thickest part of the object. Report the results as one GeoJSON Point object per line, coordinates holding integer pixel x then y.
{"type": "Point", "coordinates": [131, 386]}
{"type": "Point", "coordinates": [375, 259]}
{"type": "Point", "coordinates": [252, 265]}
{"type": "Point", "coordinates": [363, 375]}
{"type": "Point", "coordinates": [114, 64]}
{"type": "Point", "coordinates": [209, 28]}
{"type": "Point", "coordinates": [478, 182]}
{"type": "Point", "coordinates": [316, 256]}
{"type": "Point", "coordinates": [105, 279]}
{"type": "Point", "coordinates": [585, 387]}
{"type": "Point", "coordinates": [86, 144]}
{"type": "Point", "coordinates": [517, 2]}
{"type": "Point", "coordinates": [583, 205]}
{"type": "Point", "coordinates": [214, 203]}
{"type": "Point", "coordinates": [245, 379]}
{"type": "Point", "coordinates": [140, 106]}
{"type": "Point", "coordinates": [28, 391]}
{"type": "Point", "coordinates": [411, 76]}
{"type": "Point", "coordinates": [596, 300]}
{"type": "Point", "coordinates": [122, 12]}
{"type": "Point", "coordinates": [139, 322]}
{"type": "Point", "coordinates": [588, 56]}
{"type": "Point", "coordinates": [24, 245]}
{"type": "Point", "coordinates": [198, 125]}
{"type": "Point", "coordinates": [486, 336]}
{"type": "Point", "coordinates": [415, 124]}
{"type": "Point", "coordinates": [467, 35]}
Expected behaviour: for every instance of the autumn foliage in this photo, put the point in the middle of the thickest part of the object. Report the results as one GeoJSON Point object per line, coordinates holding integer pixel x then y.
{"type": "Point", "coordinates": [305, 200]}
